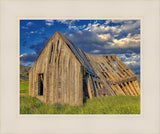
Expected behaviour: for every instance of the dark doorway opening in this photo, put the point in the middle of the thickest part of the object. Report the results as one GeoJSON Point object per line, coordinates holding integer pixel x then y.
{"type": "Point", "coordinates": [40, 84]}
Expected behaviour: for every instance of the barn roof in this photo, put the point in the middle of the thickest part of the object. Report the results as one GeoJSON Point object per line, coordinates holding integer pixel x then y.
{"type": "Point", "coordinates": [79, 55]}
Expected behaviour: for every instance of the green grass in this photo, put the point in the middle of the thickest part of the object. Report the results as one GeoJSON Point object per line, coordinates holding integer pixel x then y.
{"type": "Point", "coordinates": [24, 88]}
{"type": "Point", "coordinates": [103, 105]}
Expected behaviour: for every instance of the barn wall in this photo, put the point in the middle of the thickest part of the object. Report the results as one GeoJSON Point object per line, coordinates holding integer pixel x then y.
{"type": "Point", "coordinates": [40, 66]}
{"type": "Point", "coordinates": [65, 82]}
{"type": "Point", "coordinates": [62, 74]}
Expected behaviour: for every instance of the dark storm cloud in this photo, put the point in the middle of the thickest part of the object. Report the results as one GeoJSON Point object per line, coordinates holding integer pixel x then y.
{"type": "Point", "coordinates": [87, 41]}
{"type": "Point", "coordinates": [91, 43]}
{"type": "Point", "coordinates": [31, 57]}
{"type": "Point", "coordinates": [84, 37]}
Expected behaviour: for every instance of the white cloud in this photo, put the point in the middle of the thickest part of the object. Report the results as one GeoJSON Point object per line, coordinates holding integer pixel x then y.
{"type": "Point", "coordinates": [71, 24]}
{"type": "Point", "coordinates": [49, 22]}
{"type": "Point", "coordinates": [102, 28]}
{"type": "Point", "coordinates": [118, 21]}
{"type": "Point", "coordinates": [23, 27]}
{"type": "Point", "coordinates": [67, 22]}
{"type": "Point", "coordinates": [107, 22]}
{"type": "Point", "coordinates": [129, 26]}
{"type": "Point", "coordinates": [32, 32]}
{"type": "Point", "coordinates": [125, 26]}
{"type": "Point", "coordinates": [76, 27]}
{"type": "Point", "coordinates": [105, 37]}
{"type": "Point", "coordinates": [29, 24]}
{"type": "Point", "coordinates": [95, 51]}
{"type": "Point", "coordinates": [26, 54]}
{"type": "Point", "coordinates": [129, 41]}
{"type": "Point", "coordinates": [132, 60]}
{"type": "Point", "coordinates": [110, 34]}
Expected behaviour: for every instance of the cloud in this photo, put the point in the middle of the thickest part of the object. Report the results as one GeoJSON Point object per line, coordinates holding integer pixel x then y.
{"type": "Point", "coordinates": [89, 41]}
{"type": "Point", "coordinates": [117, 21]}
{"type": "Point", "coordinates": [102, 28]}
{"type": "Point", "coordinates": [32, 32]}
{"type": "Point", "coordinates": [71, 24]}
{"type": "Point", "coordinates": [71, 27]}
{"type": "Point", "coordinates": [86, 40]}
{"type": "Point", "coordinates": [28, 57]}
{"type": "Point", "coordinates": [95, 51]}
{"type": "Point", "coordinates": [67, 22]}
{"type": "Point", "coordinates": [132, 60]}
{"type": "Point", "coordinates": [23, 27]}
{"type": "Point", "coordinates": [107, 22]}
{"type": "Point", "coordinates": [122, 21]}
{"type": "Point", "coordinates": [129, 41]}
{"type": "Point", "coordinates": [105, 37]}
{"type": "Point", "coordinates": [131, 26]}
{"type": "Point", "coordinates": [119, 28]}
{"type": "Point", "coordinates": [39, 46]}
{"type": "Point", "coordinates": [49, 22]}
{"type": "Point", "coordinates": [29, 24]}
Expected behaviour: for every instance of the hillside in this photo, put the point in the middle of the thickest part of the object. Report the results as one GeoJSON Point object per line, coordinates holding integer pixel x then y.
{"type": "Point", "coordinates": [23, 72]}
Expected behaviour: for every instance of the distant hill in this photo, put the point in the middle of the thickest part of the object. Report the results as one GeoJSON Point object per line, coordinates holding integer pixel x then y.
{"type": "Point", "coordinates": [23, 72]}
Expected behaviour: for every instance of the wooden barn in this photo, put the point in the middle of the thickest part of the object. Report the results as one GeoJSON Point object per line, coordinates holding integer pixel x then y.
{"type": "Point", "coordinates": [63, 74]}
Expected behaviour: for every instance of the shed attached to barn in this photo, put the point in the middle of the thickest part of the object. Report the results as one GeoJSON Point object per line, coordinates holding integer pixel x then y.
{"type": "Point", "coordinates": [63, 74]}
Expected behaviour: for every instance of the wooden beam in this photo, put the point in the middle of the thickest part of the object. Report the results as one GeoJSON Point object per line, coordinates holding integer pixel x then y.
{"type": "Point", "coordinates": [123, 80]}
{"type": "Point", "coordinates": [128, 88]}
{"type": "Point", "coordinates": [119, 90]}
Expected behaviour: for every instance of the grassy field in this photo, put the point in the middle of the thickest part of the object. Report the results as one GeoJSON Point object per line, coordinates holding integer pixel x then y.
{"type": "Point", "coordinates": [104, 105]}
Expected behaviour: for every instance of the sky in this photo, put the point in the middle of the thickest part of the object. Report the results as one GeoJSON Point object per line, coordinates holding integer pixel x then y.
{"type": "Point", "coordinates": [120, 37]}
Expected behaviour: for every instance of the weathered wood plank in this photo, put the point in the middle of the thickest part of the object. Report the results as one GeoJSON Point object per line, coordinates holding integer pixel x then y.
{"type": "Point", "coordinates": [131, 87]}
{"type": "Point", "coordinates": [120, 90]}
{"type": "Point", "coordinates": [80, 86]}
{"type": "Point", "coordinates": [137, 85]}
{"type": "Point", "coordinates": [128, 88]}
{"type": "Point", "coordinates": [90, 88]}
{"type": "Point", "coordinates": [123, 80]}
